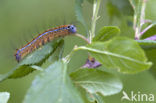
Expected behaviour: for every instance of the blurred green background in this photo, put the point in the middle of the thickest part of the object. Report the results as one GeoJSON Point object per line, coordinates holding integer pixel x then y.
{"type": "Point", "coordinates": [22, 19]}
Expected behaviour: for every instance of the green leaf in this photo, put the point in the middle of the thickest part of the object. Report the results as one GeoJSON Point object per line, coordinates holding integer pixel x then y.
{"type": "Point", "coordinates": [152, 57]}
{"type": "Point", "coordinates": [38, 57]}
{"type": "Point", "coordinates": [106, 33]}
{"type": "Point", "coordinates": [147, 44]}
{"type": "Point", "coordinates": [79, 14]}
{"type": "Point", "coordinates": [95, 98]}
{"type": "Point", "coordinates": [120, 53]}
{"type": "Point", "coordinates": [85, 95]}
{"type": "Point", "coordinates": [97, 81]}
{"type": "Point", "coordinates": [98, 98]}
{"type": "Point", "coordinates": [53, 86]}
{"type": "Point", "coordinates": [150, 48]}
{"type": "Point", "coordinates": [4, 97]}
{"type": "Point", "coordinates": [58, 54]}
{"type": "Point", "coordinates": [151, 31]}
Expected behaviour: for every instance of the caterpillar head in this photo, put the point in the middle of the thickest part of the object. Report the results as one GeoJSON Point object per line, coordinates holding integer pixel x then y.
{"type": "Point", "coordinates": [72, 28]}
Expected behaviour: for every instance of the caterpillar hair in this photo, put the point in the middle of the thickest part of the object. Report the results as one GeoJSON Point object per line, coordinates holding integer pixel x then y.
{"type": "Point", "coordinates": [43, 38]}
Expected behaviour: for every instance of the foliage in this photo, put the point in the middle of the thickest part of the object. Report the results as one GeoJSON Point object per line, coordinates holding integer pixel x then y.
{"type": "Point", "coordinates": [96, 81]}
{"type": "Point", "coordinates": [116, 54]}
{"type": "Point", "coordinates": [150, 48]}
{"type": "Point", "coordinates": [106, 33]}
{"type": "Point", "coordinates": [32, 61]}
{"type": "Point", "coordinates": [88, 85]}
{"type": "Point", "coordinates": [54, 85]}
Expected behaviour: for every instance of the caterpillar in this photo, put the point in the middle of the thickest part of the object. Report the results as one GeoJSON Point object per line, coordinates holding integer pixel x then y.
{"type": "Point", "coordinates": [43, 38]}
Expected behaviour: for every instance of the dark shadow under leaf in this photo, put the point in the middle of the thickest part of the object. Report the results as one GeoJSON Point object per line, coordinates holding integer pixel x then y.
{"type": "Point", "coordinates": [37, 58]}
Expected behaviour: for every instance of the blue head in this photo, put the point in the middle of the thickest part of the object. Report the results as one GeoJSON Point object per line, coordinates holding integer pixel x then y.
{"type": "Point", "coordinates": [72, 28]}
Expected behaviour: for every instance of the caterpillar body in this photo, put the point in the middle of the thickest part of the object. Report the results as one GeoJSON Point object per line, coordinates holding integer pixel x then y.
{"type": "Point", "coordinates": [43, 38]}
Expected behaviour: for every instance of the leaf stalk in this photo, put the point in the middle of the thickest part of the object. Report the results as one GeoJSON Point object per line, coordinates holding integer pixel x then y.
{"type": "Point", "coordinates": [95, 17]}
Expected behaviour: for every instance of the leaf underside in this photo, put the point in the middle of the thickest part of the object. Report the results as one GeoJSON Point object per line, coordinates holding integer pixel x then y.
{"type": "Point", "coordinates": [53, 85]}
{"type": "Point", "coordinates": [37, 58]}
{"type": "Point", "coordinates": [97, 81]}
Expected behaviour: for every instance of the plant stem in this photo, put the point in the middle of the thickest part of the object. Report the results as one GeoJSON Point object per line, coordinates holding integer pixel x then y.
{"type": "Point", "coordinates": [146, 29]}
{"type": "Point", "coordinates": [82, 37]}
{"type": "Point", "coordinates": [139, 21]}
{"type": "Point", "coordinates": [96, 6]}
{"type": "Point", "coordinates": [68, 57]}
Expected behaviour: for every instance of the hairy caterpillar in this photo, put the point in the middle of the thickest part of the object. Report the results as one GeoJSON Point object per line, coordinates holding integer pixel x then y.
{"type": "Point", "coordinates": [43, 38]}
